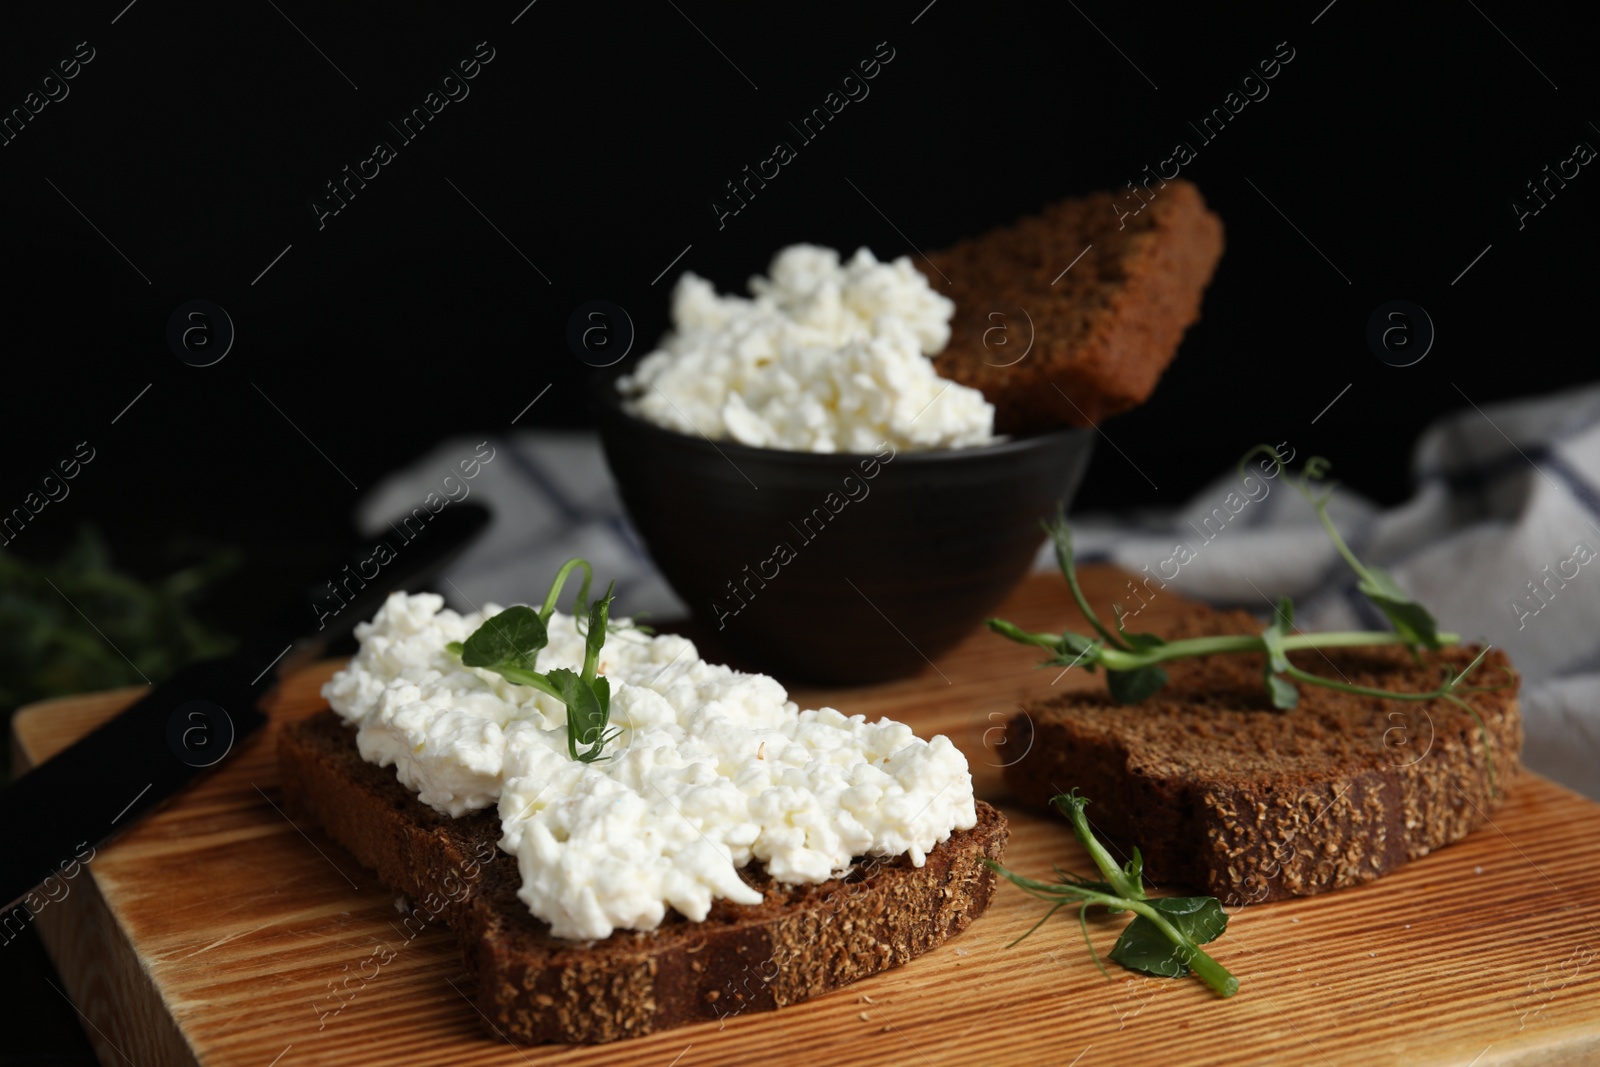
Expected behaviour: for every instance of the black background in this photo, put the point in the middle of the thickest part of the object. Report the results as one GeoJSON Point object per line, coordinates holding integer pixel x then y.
{"type": "Point", "coordinates": [594, 143]}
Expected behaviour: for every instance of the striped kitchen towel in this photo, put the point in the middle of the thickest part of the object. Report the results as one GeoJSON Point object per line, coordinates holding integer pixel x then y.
{"type": "Point", "coordinates": [1501, 542]}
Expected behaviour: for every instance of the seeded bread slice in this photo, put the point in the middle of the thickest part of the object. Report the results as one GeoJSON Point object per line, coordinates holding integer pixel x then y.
{"type": "Point", "coordinates": [1102, 331]}
{"type": "Point", "coordinates": [1224, 793]}
{"type": "Point", "coordinates": [801, 941]}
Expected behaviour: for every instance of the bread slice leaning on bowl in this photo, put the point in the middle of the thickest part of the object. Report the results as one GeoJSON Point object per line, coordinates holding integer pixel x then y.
{"type": "Point", "coordinates": [1098, 290]}
{"type": "Point", "coordinates": [801, 941]}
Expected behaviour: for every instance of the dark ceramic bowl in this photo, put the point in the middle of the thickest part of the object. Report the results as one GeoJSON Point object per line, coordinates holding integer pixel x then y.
{"type": "Point", "coordinates": [837, 568]}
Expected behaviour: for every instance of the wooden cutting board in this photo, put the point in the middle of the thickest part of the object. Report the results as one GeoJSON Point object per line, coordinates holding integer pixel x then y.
{"type": "Point", "coordinates": [217, 932]}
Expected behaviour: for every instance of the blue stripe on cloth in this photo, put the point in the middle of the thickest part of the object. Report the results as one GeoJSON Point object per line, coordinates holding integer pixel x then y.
{"type": "Point", "coordinates": [625, 533]}
{"type": "Point", "coordinates": [1576, 483]}
{"type": "Point", "coordinates": [1476, 481]}
{"type": "Point", "coordinates": [1572, 419]}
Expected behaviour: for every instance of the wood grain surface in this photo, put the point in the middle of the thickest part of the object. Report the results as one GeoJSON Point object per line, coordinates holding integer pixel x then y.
{"type": "Point", "coordinates": [217, 932]}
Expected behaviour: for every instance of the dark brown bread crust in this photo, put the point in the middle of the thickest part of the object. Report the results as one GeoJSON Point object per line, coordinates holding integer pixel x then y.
{"type": "Point", "coordinates": [438, 861]}
{"type": "Point", "coordinates": [801, 941]}
{"type": "Point", "coordinates": [1102, 332]}
{"type": "Point", "coordinates": [1223, 793]}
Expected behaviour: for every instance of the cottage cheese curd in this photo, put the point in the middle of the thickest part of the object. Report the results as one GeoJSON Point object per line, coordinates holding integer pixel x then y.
{"type": "Point", "coordinates": [714, 768]}
{"type": "Point", "coordinates": [823, 357]}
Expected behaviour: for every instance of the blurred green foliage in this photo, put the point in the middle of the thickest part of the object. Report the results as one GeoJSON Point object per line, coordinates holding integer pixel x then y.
{"type": "Point", "coordinates": [47, 648]}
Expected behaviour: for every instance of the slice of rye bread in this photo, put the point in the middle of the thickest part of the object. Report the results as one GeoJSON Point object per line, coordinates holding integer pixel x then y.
{"type": "Point", "coordinates": [801, 941]}
{"type": "Point", "coordinates": [1222, 792]}
{"type": "Point", "coordinates": [1103, 331]}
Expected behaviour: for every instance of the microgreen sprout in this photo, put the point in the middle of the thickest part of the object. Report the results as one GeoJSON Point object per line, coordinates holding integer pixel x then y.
{"type": "Point", "coordinates": [1132, 661]}
{"type": "Point", "coordinates": [1166, 933]}
{"type": "Point", "coordinates": [509, 644]}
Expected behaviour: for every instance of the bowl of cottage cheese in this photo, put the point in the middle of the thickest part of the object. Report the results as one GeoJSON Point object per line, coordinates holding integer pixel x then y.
{"type": "Point", "coordinates": [830, 507]}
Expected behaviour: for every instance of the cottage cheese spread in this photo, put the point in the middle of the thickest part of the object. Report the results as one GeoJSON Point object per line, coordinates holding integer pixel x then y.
{"type": "Point", "coordinates": [713, 769]}
{"type": "Point", "coordinates": [823, 358]}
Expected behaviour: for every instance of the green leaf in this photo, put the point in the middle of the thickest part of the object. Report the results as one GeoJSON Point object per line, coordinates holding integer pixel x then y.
{"type": "Point", "coordinates": [1134, 868]}
{"type": "Point", "coordinates": [1283, 692]}
{"type": "Point", "coordinates": [1075, 643]}
{"type": "Point", "coordinates": [1130, 687]}
{"type": "Point", "coordinates": [586, 716]}
{"type": "Point", "coordinates": [1165, 936]}
{"type": "Point", "coordinates": [1075, 650]}
{"type": "Point", "coordinates": [595, 639]}
{"type": "Point", "coordinates": [1410, 619]}
{"type": "Point", "coordinates": [1276, 631]}
{"type": "Point", "coordinates": [511, 638]}
{"type": "Point", "coordinates": [1144, 947]}
{"type": "Point", "coordinates": [509, 644]}
{"type": "Point", "coordinates": [561, 680]}
{"type": "Point", "coordinates": [1136, 642]}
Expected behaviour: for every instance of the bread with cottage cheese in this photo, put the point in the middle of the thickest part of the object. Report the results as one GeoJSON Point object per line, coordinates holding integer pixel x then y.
{"type": "Point", "coordinates": [1097, 291]}
{"type": "Point", "coordinates": [800, 941]}
{"type": "Point", "coordinates": [1224, 793]}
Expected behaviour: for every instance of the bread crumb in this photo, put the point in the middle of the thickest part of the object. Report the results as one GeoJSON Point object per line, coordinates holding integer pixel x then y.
{"type": "Point", "coordinates": [1477, 870]}
{"type": "Point", "coordinates": [961, 952]}
{"type": "Point", "coordinates": [864, 1017]}
{"type": "Point", "coordinates": [866, 999]}
{"type": "Point", "coordinates": [1294, 920]}
{"type": "Point", "coordinates": [1372, 954]}
{"type": "Point", "coordinates": [886, 1029]}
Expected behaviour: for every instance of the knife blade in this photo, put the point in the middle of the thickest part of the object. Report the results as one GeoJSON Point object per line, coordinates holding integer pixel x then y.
{"type": "Point", "coordinates": [106, 781]}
